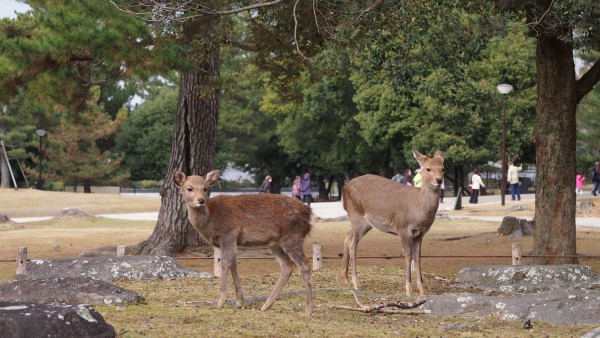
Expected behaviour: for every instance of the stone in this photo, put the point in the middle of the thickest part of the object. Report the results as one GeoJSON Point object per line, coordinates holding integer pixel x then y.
{"type": "Point", "coordinates": [556, 294]}
{"type": "Point", "coordinates": [527, 278]}
{"type": "Point", "coordinates": [109, 268]}
{"type": "Point", "coordinates": [25, 319]}
{"type": "Point", "coordinates": [70, 290]}
{"type": "Point", "coordinates": [71, 213]}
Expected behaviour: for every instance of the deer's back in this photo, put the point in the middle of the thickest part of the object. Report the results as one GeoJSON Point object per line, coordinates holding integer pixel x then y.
{"type": "Point", "coordinates": [258, 219]}
{"type": "Point", "coordinates": [387, 203]}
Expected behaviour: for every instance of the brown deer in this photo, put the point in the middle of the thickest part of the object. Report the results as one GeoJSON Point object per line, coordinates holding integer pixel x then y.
{"type": "Point", "coordinates": [277, 221]}
{"type": "Point", "coordinates": [376, 202]}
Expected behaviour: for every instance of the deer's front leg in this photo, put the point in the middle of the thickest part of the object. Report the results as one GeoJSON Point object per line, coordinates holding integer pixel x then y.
{"type": "Point", "coordinates": [417, 260]}
{"type": "Point", "coordinates": [408, 255]}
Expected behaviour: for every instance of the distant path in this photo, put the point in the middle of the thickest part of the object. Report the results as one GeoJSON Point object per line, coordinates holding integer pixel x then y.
{"type": "Point", "coordinates": [328, 210]}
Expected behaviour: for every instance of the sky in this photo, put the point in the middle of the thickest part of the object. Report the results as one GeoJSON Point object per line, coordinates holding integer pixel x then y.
{"type": "Point", "coordinates": [8, 8]}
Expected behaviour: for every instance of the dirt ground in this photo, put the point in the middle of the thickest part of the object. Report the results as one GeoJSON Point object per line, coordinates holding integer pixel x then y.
{"type": "Point", "coordinates": [449, 246]}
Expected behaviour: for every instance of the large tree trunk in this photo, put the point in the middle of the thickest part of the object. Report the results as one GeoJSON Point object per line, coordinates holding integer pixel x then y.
{"type": "Point", "coordinates": [555, 137]}
{"type": "Point", "coordinates": [192, 152]}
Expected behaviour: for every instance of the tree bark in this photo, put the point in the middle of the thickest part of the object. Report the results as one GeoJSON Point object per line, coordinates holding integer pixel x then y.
{"type": "Point", "coordinates": [4, 172]}
{"type": "Point", "coordinates": [192, 152]}
{"type": "Point", "coordinates": [555, 138]}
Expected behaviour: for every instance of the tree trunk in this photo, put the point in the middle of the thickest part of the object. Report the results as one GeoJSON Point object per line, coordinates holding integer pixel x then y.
{"type": "Point", "coordinates": [4, 172]}
{"type": "Point", "coordinates": [192, 152]}
{"type": "Point", "coordinates": [555, 137]}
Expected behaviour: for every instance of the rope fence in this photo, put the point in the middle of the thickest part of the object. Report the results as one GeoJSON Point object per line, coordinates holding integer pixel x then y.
{"type": "Point", "coordinates": [318, 258]}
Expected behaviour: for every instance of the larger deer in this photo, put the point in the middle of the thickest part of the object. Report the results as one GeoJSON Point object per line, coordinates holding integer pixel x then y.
{"type": "Point", "coordinates": [278, 221]}
{"type": "Point", "coordinates": [406, 211]}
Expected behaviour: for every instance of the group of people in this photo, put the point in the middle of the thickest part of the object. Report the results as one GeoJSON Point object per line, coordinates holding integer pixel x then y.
{"type": "Point", "coordinates": [407, 178]}
{"type": "Point", "coordinates": [512, 178]}
{"type": "Point", "coordinates": [300, 188]}
{"type": "Point", "coordinates": [417, 180]}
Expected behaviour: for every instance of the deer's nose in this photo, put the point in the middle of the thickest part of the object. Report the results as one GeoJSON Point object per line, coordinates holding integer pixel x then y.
{"type": "Point", "coordinates": [438, 180]}
{"type": "Point", "coordinates": [201, 201]}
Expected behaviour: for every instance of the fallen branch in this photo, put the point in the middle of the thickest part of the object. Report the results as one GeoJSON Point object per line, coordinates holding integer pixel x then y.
{"type": "Point", "coordinates": [405, 308]}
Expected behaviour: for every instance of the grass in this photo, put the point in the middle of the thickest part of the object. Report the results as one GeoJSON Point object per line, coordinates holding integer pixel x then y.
{"type": "Point", "coordinates": [182, 307]}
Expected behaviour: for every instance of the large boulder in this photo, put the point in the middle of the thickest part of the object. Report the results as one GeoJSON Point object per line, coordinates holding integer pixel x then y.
{"type": "Point", "coordinates": [557, 294]}
{"type": "Point", "coordinates": [32, 320]}
{"type": "Point", "coordinates": [109, 268]}
{"type": "Point", "coordinates": [70, 290]}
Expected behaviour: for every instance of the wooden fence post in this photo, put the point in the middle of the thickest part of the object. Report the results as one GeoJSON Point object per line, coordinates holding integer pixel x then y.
{"type": "Point", "coordinates": [217, 260]}
{"type": "Point", "coordinates": [317, 257]}
{"type": "Point", "coordinates": [121, 250]}
{"type": "Point", "coordinates": [516, 254]}
{"type": "Point", "coordinates": [22, 260]}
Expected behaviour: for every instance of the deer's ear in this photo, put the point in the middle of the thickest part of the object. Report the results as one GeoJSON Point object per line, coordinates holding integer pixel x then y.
{"type": "Point", "coordinates": [179, 178]}
{"type": "Point", "coordinates": [419, 157]}
{"type": "Point", "coordinates": [439, 153]}
{"type": "Point", "coordinates": [212, 177]}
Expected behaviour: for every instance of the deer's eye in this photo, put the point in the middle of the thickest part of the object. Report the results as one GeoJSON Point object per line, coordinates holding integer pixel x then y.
{"type": "Point", "coordinates": [189, 189]}
{"type": "Point", "coordinates": [205, 189]}
{"type": "Point", "coordinates": [428, 169]}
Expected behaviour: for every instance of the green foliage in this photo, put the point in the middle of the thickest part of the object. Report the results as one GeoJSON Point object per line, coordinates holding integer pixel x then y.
{"type": "Point", "coordinates": [145, 138]}
{"type": "Point", "coordinates": [588, 132]}
{"type": "Point", "coordinates": [73, 154]}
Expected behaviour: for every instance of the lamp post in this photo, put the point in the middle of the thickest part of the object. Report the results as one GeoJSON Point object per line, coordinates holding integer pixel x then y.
{"type": "Point", "coordinates": [40, 184]}
{"type": "Point", "coordinates": [503, 89]}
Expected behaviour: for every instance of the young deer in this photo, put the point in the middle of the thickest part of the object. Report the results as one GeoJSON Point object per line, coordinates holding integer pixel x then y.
{"type": "Point", "coordinates": [406, 211]}
{"type": "Point", "coordinates": [277, 221]}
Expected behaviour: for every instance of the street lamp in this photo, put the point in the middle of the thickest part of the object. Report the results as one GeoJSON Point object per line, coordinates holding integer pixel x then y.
{"type": "Point", "coordinates": [40, 184]}
{"type": "Point", "coordinates": [504, 89]}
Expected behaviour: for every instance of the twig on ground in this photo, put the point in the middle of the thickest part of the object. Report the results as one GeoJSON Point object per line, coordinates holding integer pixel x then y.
{"type": "Point", "coordinates": [405, 308]}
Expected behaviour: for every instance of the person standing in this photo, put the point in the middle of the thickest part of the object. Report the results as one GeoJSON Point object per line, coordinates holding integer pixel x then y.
{"type": "Point", "coordinates": [266, 184]}
{"type": "Point", "coordinates": [513, 179]}
{"type": "Point", "coordinates": [408, 177]}
{"type": "Point", "coordinates": [476, 185]}
{"type": "Point", "coordinates": [399, 178]}
{"type": "Point", "coordinates": [297, 188]}
{"type": "Point", "coordinates": [305, 189]}
{"type": "Point", "coordinates": [418, 179]}
{"type": "Point", "coordinates": [596, 178]}
{"type": "Point", "coordinates": [579, 182]}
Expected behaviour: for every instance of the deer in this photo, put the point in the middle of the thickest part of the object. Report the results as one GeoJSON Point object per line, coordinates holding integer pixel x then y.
{"type": "Point", "coordinates": [277, 221]}
{"type": "Point", "coordinates": [377, 202]}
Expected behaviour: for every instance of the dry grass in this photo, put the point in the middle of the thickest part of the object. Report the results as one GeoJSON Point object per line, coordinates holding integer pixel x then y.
{"type": "Point", "coordinates": [34, 203]}
{"type": "Point", "coordinates": [178, 308]}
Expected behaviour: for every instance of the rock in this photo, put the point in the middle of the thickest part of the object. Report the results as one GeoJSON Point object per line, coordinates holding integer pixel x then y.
{"type": "Point", "coordinates": [562, 306]}
{"type": "Point", "coordinates": [5, 219]}
{"type": "Point", "coordinates": [527, 278]}
{"type": "Point", "coordinates": [71, 213]}
{"type": "Point", "coordinates": [52, 320]}
{"type": "Point", "coordinates": [109, 268]}
{"type": "Point", "coordinates": [557, 294]}
{"type": "Point", "coordinates": [70, 290]}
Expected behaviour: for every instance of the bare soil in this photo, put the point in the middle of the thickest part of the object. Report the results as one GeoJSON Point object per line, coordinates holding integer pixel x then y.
{"type": "Point", "coordinates": [184, 307]}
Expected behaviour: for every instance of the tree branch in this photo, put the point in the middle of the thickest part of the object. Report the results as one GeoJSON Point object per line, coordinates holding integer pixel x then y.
{"type": "Point", "coordinates": [588, 81]}
{"type": "Point", "coordinates": [162, 12]}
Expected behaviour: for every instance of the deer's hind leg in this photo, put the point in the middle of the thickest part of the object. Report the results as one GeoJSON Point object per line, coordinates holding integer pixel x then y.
{"type": "Point", "coordinates": [296, 253]}
{"type": "Point", "coordinates": [287, 267]}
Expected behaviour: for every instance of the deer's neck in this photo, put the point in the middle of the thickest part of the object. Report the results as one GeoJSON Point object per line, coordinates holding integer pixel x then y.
{"type": "Point", "coordinates": [430, 197]}
{"type": "Point", "coordinates": [199, 218]}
